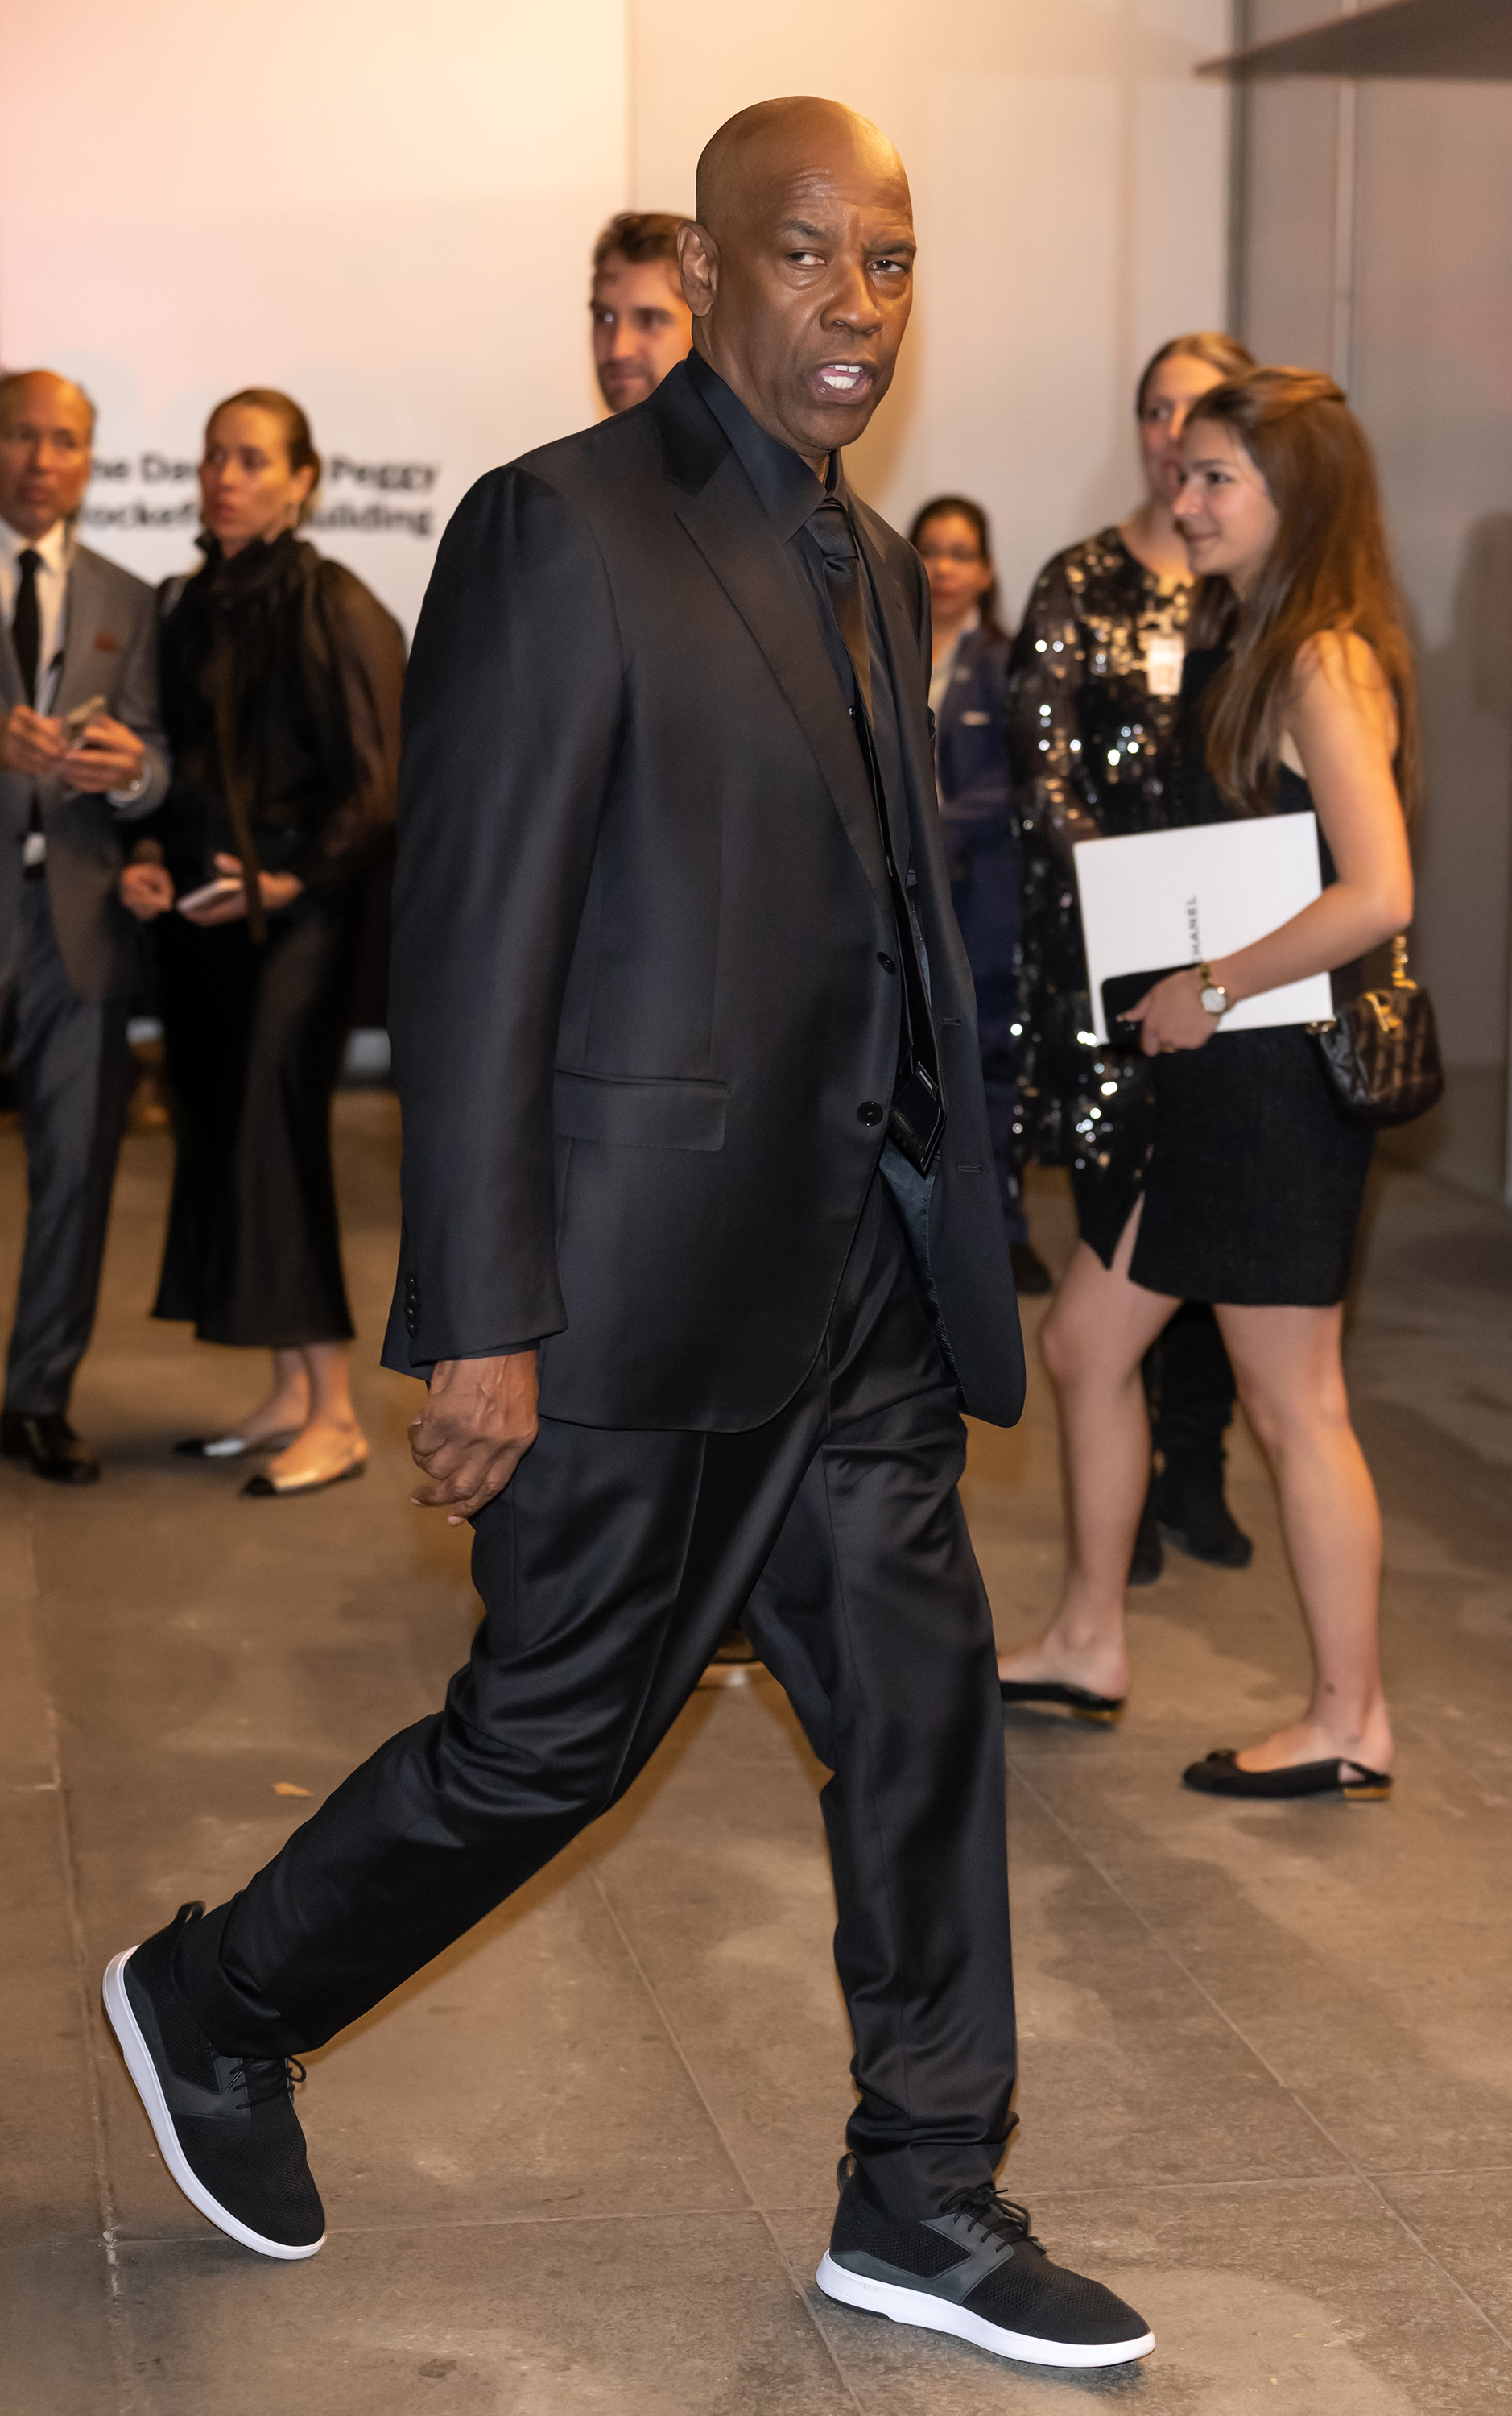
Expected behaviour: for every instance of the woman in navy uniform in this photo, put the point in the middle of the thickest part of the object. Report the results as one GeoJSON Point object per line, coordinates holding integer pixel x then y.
{"type": "Point", "coordinates": [967, 696]}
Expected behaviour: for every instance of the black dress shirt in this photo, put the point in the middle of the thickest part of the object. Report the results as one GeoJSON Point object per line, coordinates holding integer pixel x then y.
{"type": "Point", "coordinates": [790, 492]}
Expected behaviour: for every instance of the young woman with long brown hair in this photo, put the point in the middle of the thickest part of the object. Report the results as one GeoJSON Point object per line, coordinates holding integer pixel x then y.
{"type": "Point", "coordinates": [1299, 690]}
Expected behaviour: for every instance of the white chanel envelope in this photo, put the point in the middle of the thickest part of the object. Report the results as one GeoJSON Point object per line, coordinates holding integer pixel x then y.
{"type": "Point", "coordinates": [1160, 898]}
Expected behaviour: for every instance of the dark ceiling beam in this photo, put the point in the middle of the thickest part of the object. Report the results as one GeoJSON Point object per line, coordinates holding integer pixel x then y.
{"type": "Point", "coordinates": [1467, 40]}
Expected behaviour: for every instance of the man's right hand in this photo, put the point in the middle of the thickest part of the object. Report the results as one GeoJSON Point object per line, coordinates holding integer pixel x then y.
{"type": "Point", "coordinates": [477, 1425]}
{"type": "Point", "coordinates": [31, 742]}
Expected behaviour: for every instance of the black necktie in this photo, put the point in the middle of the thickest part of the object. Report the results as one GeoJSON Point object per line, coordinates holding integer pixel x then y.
{"type": "Point", "coordinates": [830, 527]}
{"type": "Point", "coordinates": [915, 1120]}
{"type": "Point", "coordinates": [25, 625]}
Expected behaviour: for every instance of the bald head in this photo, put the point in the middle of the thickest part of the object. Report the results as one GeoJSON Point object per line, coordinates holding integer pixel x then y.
{"type": "Point", "coordinates": [798, 270]}
{"type": "Point", "coordinates": [47, 426]}
{"type": "Point", "coordinates": [778, 140]}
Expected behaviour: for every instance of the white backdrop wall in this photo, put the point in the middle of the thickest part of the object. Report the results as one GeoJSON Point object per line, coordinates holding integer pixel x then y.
{"type": "Point", "coordinates": [389, 213]}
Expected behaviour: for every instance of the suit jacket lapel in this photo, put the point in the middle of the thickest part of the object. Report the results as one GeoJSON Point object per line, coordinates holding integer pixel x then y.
{"type": "Point", "coordinates": [727, 523]}
{"type": "Point", "coordinates": [10, 671]}
{"type": "Point", "coordinates": [910, 686]}
{"type": "Point", "coordinates": [81, 623]}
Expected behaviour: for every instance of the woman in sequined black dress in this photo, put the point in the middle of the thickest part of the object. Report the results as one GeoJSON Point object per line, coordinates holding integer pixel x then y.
{"type": "Point", "coordinates": [1093, 694]}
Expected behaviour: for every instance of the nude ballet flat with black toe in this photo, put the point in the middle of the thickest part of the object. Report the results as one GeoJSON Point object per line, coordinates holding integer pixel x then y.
{"type": "Point", "coordinates": [1221, 1774]}
{"type": "Point", "coordinates": [1101, 1710]}
{"type": "Point", "coordinates": [276, 1488]}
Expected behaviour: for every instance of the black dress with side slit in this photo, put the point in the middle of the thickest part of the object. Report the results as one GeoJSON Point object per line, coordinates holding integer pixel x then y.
{"type": "Point", "coordinates": [1254, 1181]}
{"type": "Point", "coordinates": [292, 655]}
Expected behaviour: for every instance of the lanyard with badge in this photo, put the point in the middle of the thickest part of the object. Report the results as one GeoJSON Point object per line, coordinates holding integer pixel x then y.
{"type": "Point", "coordinates": [1164, 653]}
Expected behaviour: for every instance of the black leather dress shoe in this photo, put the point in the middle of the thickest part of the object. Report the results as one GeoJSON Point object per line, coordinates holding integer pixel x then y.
{"type": "Point", "coordinates": [46, 1441]}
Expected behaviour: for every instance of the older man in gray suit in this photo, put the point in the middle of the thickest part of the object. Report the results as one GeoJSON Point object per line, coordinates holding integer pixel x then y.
{"type": "Point", "coordinates": [81, 753]}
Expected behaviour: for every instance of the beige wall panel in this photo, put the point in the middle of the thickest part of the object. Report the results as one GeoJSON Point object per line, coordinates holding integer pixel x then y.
{"type": "Point", "coordinates": [1432, 347]}
{"type": "Point", "coordinates": [1288, 223]}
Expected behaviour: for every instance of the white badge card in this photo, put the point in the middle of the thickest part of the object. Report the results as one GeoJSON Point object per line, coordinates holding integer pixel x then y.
{"type": "Point", "coordinates": [1158, 898]}
{"type": "Point", "coordinates": [1163, 658]}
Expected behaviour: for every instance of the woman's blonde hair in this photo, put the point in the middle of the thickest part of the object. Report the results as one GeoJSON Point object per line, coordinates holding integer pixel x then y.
{"type": "Point", "coordinates": [1329, 568]}
{"type": "Point", "coordinates": [1221, 352]}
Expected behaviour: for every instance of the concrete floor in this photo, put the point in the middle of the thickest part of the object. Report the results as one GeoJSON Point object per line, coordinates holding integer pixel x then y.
{"type": "Point", "coordinates": [582, 2166]}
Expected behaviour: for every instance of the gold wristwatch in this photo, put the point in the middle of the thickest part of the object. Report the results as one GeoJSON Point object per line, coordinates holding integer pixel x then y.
{"type": "Point", "coordinates": [1212, 993]}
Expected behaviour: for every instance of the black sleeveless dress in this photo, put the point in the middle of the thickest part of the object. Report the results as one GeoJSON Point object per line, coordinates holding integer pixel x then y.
{"type": "Point", "coordinates": [1254, 1181]}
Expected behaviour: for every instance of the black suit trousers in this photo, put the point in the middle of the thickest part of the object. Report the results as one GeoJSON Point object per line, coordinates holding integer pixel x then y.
{"type": "Point", "coordinates": [608, 1569]}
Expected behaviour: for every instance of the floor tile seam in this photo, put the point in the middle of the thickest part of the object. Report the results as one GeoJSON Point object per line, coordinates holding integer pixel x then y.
{"type": "Point", "coordinates": [1420, 2243]}
{"type": "Point", "coordinates": [1200, 2183]}
{"type": "Point", "coordinates": [664, 2016]}
{"type": "Point", "coordinates": [1307, 2112]}
{"type": "Point", "coordinates": [208, 2237]}
{"type": "Point", "coordinates": [44, 2241]}
{"type": "Point", "coordinates": [1434, 2173]}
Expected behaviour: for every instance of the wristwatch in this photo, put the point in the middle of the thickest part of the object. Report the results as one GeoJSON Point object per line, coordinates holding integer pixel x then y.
{"type": "Point", "coordinates": [1213, 995]}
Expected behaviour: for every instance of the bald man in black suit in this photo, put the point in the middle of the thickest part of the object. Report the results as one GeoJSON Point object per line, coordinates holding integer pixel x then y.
{"type": "Point", "coordinates": [702, 1252]}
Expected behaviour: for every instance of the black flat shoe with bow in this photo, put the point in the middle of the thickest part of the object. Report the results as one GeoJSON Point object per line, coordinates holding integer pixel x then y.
{"type": "Point", "coordinates": [1221, 1774]}
{"type": "Point", "coordinates": [1102, 1710]}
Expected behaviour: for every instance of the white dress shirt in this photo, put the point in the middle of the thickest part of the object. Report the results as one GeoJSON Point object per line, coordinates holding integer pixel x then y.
{"type": "Point", "coordinates": [54, 551]}
{"type": "Point", "coordinates": [51, 597]}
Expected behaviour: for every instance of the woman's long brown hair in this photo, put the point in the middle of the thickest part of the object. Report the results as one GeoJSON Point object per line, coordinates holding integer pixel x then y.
{"type": "Point", "coordinates": [1329, 568]}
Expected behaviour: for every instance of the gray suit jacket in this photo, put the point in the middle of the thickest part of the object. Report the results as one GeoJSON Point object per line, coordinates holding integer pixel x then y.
{"type": "Point", "coordinates": [110, 649]}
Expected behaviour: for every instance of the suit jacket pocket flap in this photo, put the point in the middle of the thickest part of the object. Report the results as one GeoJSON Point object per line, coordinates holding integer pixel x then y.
{"type": "Point", "coordinates": [640, 1111]}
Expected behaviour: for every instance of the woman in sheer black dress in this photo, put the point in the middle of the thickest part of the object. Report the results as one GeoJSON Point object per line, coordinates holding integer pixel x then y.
{"type": "Point", "coordinates": [1298, 698]}
{"type": "Point", "coordinates": [280, 687]}
{"type": "Point", "coordinates": [1093, 693]}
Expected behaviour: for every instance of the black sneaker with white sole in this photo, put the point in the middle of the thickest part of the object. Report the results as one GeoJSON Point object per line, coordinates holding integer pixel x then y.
{"type": "Point", "coordinates": [224, 2124]}
{"type": "Point", "coordinates": [975, 2270]}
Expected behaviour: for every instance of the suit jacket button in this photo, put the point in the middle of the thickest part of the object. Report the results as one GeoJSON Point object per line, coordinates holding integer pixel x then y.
{"type": "Point", "coordinates": [871, 1112]}
{"type": "Point", "coordinates": [886, 962]}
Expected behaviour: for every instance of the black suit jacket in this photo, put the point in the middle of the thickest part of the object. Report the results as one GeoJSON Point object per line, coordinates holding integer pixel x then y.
{"type": "Point", "coordinates": [640, 918]}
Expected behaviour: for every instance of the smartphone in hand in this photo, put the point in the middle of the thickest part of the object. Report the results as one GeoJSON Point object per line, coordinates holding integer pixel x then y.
{"type": "Point", "coordinates": [76, 720]}
{"type": "Point", "coordinates": [230, 886]}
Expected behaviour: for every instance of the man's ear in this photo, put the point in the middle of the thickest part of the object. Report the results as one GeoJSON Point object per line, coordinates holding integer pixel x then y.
{"type": "Point", "coordinates": [698, 256]}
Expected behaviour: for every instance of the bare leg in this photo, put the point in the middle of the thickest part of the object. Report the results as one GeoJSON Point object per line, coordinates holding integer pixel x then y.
{"type": "Point", "coordinates": [1097, 1332]}
{"type": "Point", "coordinates": [287, 1406]}
{"type": "Point", "coordinates": [1291, 1381]}
{"type": "Point", "coordinates": [330, 1438]}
